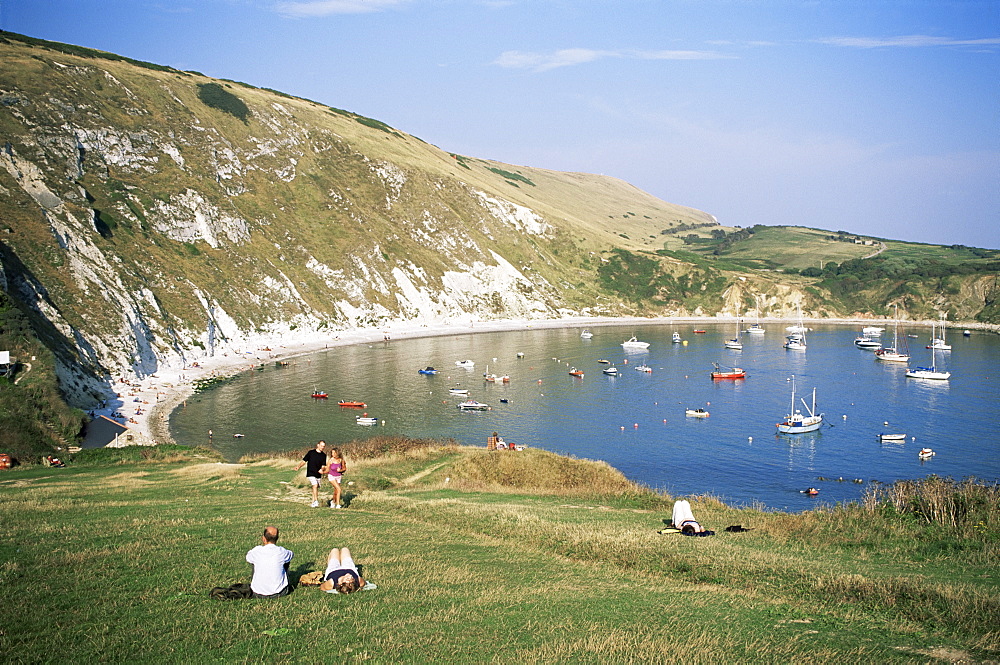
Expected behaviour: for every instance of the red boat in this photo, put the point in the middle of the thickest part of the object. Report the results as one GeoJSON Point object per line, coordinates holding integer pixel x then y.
{"type": "Point", "coordinates": [354, 405]}
{"type": "Point", "coordinates": [317, 395]}
{"type": "Point", "coordinates": [729, 373]}
{"type": "Point", "coordinates": [699, 332]}
{"type": "Point", "coordinates": [577, 373]}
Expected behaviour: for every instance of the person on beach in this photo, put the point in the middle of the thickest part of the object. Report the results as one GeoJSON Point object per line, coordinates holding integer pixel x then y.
{"type": "Point", "coordinates": [335, 470]}
{"type": "Point", "coordinates": [315, 463]}
{"type": "Point", "coordinates": [341, 574]}
{"type": "Point", "coordinates": [270, 566]}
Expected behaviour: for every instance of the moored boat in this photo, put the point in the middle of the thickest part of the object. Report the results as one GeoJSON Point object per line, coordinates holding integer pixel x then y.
{"type": "Point", "coordinates": [892, 437]}
{"type": "Point", "coordinates": [696, 413]}
{"type": "Point", "coordinates": [473, 405]}
{"type": "Point", "coordinates": [894, 354]}
{"type": "Point", "coordinates": [644, 368]}
{"type": "Point", "coordinates": [319, 394]}
{"type": "Point", "coordinates": [352, 404]}
{"type": "Point", "coordinates": [465, 363]}
{"type": "Point", "coordinates": [796, 422]}
{"type": "Point", "coordinates": [458, 391]}
{"type": "Point", "coordinates": [586, 334]}
{"type": "Point", "coordinates": [427, 370]}
{"type": "Point", "coordinates": [866, 341]}
{"type": "Point", "coordinates": [366, 420]}
{"type": "Point", "coordinates": [610, 371]}
{"type": "Point", "coordinates": [675, 337]}
{"type": "Point", "coordinates": [576, 372]}
{"type": "Point", "coordinates": [634, 344]}
{"type": "Point", "coordinates": [926, 453]}
{"type": "Point", "coordinates": [728, 372]}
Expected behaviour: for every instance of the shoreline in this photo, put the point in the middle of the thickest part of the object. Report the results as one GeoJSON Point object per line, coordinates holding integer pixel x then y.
{"type": "Point", "coordinates": [169, 388]}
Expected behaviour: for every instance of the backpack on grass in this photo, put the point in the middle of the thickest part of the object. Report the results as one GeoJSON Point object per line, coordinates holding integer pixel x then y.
{"type": "Point", "coordinates": [236, 591]}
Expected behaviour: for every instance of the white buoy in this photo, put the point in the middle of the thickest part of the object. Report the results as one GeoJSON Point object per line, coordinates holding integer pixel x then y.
{"type": "Point", "coordinates": [845, 416]}
{"type": "Point", "coordinates": [750, 439]}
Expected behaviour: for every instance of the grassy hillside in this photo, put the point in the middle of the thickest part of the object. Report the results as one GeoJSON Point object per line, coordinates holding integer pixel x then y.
{"type": "Point", "coordinates": [480, 557]}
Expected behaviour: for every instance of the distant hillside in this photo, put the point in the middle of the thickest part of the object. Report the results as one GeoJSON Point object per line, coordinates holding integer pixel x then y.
{"type": "Point", "coordinates": [151, 217]}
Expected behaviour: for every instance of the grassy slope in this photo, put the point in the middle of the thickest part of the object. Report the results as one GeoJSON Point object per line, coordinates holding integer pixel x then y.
{"type": "Point", "coordinates": [114, 563]}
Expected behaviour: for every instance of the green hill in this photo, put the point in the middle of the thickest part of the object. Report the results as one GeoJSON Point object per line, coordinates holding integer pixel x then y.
{"type": "Point", "coordinates": [153, 217]}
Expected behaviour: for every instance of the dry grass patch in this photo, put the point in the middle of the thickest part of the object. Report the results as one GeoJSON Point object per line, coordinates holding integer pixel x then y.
{"type": "Point", "coordinates": [127, 480]}
{"type": "Point", "coordinates": [211, 472]}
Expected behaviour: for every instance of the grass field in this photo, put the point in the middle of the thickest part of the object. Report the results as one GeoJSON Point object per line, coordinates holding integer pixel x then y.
{"type": "Point", "coordinates": [540, 560]}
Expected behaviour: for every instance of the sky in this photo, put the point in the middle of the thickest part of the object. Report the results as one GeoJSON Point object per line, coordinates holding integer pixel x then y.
{"type": "Point", "coordinates": [875, 117]}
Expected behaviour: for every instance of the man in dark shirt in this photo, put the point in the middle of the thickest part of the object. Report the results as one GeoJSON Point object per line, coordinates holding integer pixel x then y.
{"type": "Point", "coordinates": [315, 463]}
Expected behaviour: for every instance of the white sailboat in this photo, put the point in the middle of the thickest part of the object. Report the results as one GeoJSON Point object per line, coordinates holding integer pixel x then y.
{"type": "Point", "coordinates": [939, 343]}
{"type": "Point", "coordinates": [755, 327]}
{"type": "Point", "coordinates": [894, 354]}
{"type": "Point", "coordinates": [931, 372]}
{"type": "Point", "coordinates": [796, 338]}
{"type": "Point", "coordinates": [735, 342]}
{"type": "Point", "coordinates": [796, 422]}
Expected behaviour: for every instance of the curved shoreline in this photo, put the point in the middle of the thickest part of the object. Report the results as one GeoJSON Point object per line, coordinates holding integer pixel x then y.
{"type": "Point", "coordinates": [171, 388]}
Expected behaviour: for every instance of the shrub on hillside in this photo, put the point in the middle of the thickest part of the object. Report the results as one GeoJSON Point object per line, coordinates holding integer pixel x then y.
{"type": "Point", "coordinates": [214, 95]}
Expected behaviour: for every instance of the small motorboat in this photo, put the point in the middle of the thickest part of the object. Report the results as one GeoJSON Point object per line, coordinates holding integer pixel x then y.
{"type": "Point", "coordinates": [586, 334]}
{"type": "Point", "coordinates": [576, 372]}
{"type": "Point", "coordinates": [238, 436]}
{"type": "Point", "coordinates": [728, 373]}
{"type": "Point", "coordinates": [644, 368]}
{"type": "Point", "coordinates": [465, 363]}
{"type": "Point", "coordinates": [366, 420]}
{"type": "Point", "coordinates": [319, 394]}
{"type": "Point", "coordinates": [867, 342]}
{"type": "Point", "coordinates": [603, 361]}
{"type": "Point", "coordinates": [458, 391]}
{"type": "Point", "coordinates": [755, 329]}
{"type": "Point", "coordinates": [634, 344]}
{"type": "Point", "coordinates": [699, 331]}
{"type": "Point", "coordinates": [872, 331]}
{"type": "Point", "coordinates": [505, 378]}
{"type": "Point", "coordinates": [427, 370]}
{"type": "Point", "coordinates": [472, 405]}
{"type": "Point", "coordinates": [967, 333]}
{"type": "Point", "coordinates": [696, 413]}
{"type": "Point", "coordinates": [812, 491]}
{"type": "Point", "coordinates": [610, 371]}
{"type": "Point", "coordinates": [352, 404]}
{"type": "Point", "coordinates": [892, 437]}
{"type": "Point", "coordinates": [926, 453]}
{"type": "Point", "coordinates": [675, 337]}
{"type": "Point", "coordinates": [504, 400]}
{"type": "Point", "coordinates": [520, 354]}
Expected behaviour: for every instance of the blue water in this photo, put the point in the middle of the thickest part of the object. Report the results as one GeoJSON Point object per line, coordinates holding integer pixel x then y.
{"type": "Point", "coordinates": [636, 421]}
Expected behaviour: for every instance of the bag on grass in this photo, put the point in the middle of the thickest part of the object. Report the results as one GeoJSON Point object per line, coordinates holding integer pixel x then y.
{"type": "Point", "coordinates": [315, 578]}
{"type": "Point", "coordinates": [236, 591]}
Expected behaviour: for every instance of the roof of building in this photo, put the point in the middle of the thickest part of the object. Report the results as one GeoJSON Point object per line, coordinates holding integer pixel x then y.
{"type": "Point", "coordinates": [101, 431]}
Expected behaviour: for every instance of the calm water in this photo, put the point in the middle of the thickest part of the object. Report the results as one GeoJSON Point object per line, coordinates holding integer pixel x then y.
{"type": "Point", "coordinates": [636, 421]}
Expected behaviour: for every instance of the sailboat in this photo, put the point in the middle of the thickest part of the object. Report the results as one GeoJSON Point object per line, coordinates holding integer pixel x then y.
{"type": "Point", "coordinates": [735, 342]}
{"type": "Point", "coordinates": [939, 343]}
{"type": "Point", "coordinates": [893, 353]}
{"type": "Point", "coordinates": [797, 423]}
{"type": "Point", "coordinates": [796, 338]}
{"type": "Point", "coordinates": [932, 371]}
{"type": "Point", "coordinates": [755, 327]}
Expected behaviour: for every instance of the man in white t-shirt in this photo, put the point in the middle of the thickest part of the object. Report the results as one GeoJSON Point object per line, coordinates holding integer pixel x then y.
{"type": "Point", "coordinates": [270, 566]}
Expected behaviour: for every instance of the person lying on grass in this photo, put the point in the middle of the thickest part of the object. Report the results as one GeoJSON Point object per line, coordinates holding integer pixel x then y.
{"type": "Point", "coordinates": [341, 574]}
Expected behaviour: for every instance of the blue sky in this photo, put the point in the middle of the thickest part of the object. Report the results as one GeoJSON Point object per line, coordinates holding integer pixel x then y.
{"type": "Point", "coordinates": [878, 117]}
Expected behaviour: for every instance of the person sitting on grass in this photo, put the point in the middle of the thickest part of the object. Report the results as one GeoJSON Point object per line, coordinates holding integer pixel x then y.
{"type": "Point", "coordinates": [270, 566]}
{"type": "Point", "coordinates": [341, 574]}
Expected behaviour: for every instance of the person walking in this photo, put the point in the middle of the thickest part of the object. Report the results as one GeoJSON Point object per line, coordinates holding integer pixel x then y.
{"type": "Point", "coordinates": [335, 470]}
{"type": "Point", "coordinates": [315, 463]}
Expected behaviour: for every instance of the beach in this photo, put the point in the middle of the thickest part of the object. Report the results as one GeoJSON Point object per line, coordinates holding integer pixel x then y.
{"type": "Point", "coordinates": [146, 403]}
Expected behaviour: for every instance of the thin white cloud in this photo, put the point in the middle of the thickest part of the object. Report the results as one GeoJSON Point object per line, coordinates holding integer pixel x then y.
{"type": "Point", "coordinates": [907, 41]}
{"type": "Point", "coordinates": [313, 8]}
{"type": "Point", "coordinates": [540, 62]}
{"type": "Point", "coordinates": [681, 55]}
